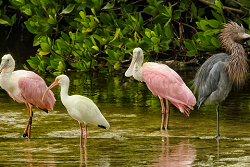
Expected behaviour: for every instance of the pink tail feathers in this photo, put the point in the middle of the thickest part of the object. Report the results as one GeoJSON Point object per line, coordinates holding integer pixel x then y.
{"type": "Point", "coordinates": [49, 100]}
{"type": "Point", "coordinates": [183, 108]}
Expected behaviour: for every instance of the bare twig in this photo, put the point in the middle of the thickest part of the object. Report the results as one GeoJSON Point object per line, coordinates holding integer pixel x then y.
{"type": "Point", "coordinates": [69, 59]}
{"type": "Point", "coordinates": [186, 25]}
{"type": "Point", "coordinates": [224, 7]}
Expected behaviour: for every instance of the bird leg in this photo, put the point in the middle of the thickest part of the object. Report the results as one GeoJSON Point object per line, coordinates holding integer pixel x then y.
{"type": "Point", "coordinates": [163, 113]}
{"type": "Point", "coordinates": [168, 112]}
{"type": "Point", "coordinates": [81, 134]}
{"type": "Point", "coordinates": [218, 133]}
{"type": "Point", "coordinates": [30, 122]}
{"type": "Point", "coordinates": [25, 134]}
{"type": "Point", "coordinates": [85, 142]}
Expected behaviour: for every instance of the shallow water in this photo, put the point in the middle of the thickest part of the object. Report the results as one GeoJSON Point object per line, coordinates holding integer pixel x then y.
{"type": "Point", "coordinates": [134, 138]}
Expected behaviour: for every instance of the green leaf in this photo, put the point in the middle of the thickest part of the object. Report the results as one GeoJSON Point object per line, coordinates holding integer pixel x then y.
{"type": "Point", "coordinates": [145, 45]}
{"type": "Point", "coordinates": [165, 44]}
{"type": "Point", "coordinates": [131, 45]}
{"type": "Point", "coordinates": [151, 10]}
{"type": "Point", "coordinates": [61, 66]}
{"type": "Point", "coordinates": [191, 53]}
{"type": "Point", "coordinates": [26, 9]}
{"type": "Point", "coordinates": [3, 21]}
{"type": "Point", "coordinates": [106, 19]}
{"type": "Point", "coordinates": [218, 4]}
{"type": "Point", "coordinates": [54, 64]}
{"type": "Point", "coordinates": [102, 69]}
{"type": "Point", "coordinates": [203, 24]}
{"type": "Point", "coordinates": [117, 32]}
{"type": "Point", "coordinates": [155, 40]}
{"type": "Point", "coordinates": [189, 44]}
{"type": "Point", "coordinates": [177, 14]}
{"type": "Point", "coordinates": [201, 12]}
{"type": "Point", "coordinates": [65, 37]}
{"type": "Point", "coordinates": [148, 32]}
{"type": "Point", "coordinates": [45, 47]}
{"type": "Point", "coordinates": [117, 65]}
{"type": "Point", "coordinates": [68, 9]}
{"type": "Point", "coordinates": [32, 65]}
{"type": "Point", "coordinates": [34, 2]}
{"type": "Point", "coordinates": [41, 66]}
{"type": "Point", "coordinates": [217, 16]}
{"type": "Point", "coordinates": [18, 2]}
{"type": "Point", "coordinates": [211, 32]}
{"type": "Point", "coordinates": [96, 48]}
{"type": "Point", "coordinates": [109, 5]}
{"type": "Point", "coordinates": [215, 42]}
{"type": "Point", "coordinates": [51, 20]}
{"type": "Point", "coordinates": [13, 19]}
{"type": "Point", "coordinates": [214, 23]}
{"type": "Point", "coordinates": [168, 30]}
{"type": "Point", "coordinates": [194, 10]}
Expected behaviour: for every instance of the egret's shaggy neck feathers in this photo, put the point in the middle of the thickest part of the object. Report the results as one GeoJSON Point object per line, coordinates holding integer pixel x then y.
{"type": "Point", "coordinates": [236, 65]}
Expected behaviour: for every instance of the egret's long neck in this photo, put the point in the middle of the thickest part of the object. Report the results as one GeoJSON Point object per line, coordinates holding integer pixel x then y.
{"type": "Point", "coordinates": [237, 65]}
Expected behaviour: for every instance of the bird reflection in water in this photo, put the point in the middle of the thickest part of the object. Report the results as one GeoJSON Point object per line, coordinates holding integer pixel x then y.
{"type": "Point", "coordinates": [85, 160]}
{"type": "Point", "coordinates": [181, 155]}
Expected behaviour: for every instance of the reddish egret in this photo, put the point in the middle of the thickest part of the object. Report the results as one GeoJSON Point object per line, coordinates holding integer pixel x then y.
{"type": "Point", "coordinates": [215, 78]}
{"type": "Point", "coordinates": [163, 82]}
{"type": "Point", "coordinates": [79, 107]}
{"type": "Point", "coordinates": [25, 87]}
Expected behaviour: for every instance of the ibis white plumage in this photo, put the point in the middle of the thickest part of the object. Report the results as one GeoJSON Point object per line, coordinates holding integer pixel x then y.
{"type": "Point", "coordinates": [79, 107]}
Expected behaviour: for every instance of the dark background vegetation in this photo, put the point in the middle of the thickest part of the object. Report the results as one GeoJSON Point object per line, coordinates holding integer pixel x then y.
{"type": "Point", "coordinates": [59, 35]}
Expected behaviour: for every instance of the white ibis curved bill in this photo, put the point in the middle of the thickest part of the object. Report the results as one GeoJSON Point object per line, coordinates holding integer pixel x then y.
{"type": "Point", "coordinates": [25, 87]}
{"type": "Point", "coordinates": [163, 82]}
{"type": "Point", "coordinates": [79, 107]}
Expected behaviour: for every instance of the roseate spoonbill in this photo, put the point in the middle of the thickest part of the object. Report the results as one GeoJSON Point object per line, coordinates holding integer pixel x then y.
{"type": "Point", "coordinates": [163, 82]}
{"type": "Point", "coordinates": [79, 107]}
{"type": "Point", "coordinates": [215, 78]}
{"type": "Point", "coordinates": [25, 87]}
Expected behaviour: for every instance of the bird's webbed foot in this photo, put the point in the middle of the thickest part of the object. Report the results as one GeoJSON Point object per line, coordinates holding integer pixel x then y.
{"type": "Point", "coordinates": [217, 136]}
{"type": "Point", "coordinates": [25, 134]}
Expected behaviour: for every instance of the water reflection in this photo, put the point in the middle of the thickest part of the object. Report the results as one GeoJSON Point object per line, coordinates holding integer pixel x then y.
{"type": "Point", "coordinates": [85, 160]}
{"type": "Point", "coordinates": [182, 154]}
{"type": "Point", "coordinates": [134, 138]}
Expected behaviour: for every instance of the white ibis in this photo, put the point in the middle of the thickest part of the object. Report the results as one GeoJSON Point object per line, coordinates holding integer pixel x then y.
{"type": "Point", "coordinates": [79, 107]}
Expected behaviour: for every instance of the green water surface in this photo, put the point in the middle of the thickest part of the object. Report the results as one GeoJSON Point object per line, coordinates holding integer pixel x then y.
{"type": "Point", "coordinates": [134, 138]}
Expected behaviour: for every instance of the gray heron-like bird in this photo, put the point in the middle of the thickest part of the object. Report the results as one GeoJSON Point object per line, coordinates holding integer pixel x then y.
{"type": "Point", "coordinates": [215, 78]}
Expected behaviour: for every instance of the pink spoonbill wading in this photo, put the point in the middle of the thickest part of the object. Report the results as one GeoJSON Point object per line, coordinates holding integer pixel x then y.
{"type": "Point", "coordinates": [79, 107]}
{"type": "Point", "coordinates": [25, 87]}
{"type": "Point", "coordinates": [163, 82]}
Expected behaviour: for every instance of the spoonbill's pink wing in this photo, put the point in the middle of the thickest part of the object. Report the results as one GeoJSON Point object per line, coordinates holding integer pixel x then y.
{"type": "Point", "coordinates": [32, 87]}
{"type": "Point", "coordinates": [166, 83]}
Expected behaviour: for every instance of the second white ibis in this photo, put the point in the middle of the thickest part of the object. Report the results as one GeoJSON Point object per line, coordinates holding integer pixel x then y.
{"type": "Point", "coordinates": [79, 107]}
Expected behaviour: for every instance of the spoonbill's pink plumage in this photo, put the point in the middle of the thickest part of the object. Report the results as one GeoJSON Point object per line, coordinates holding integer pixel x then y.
{"type": "Point", "coordinates": [79, 107]}
{"type": "Point", "coordinates": [25, 87]}
{"type": "Point", "coordinates": [163, 82]}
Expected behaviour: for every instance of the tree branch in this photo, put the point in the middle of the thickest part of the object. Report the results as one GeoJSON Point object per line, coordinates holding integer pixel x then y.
{"type": "Point", "coordinates": [224, 7]}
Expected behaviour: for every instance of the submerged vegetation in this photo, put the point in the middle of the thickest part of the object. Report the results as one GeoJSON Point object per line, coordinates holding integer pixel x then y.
{"type": "Point", "coordinates": [99, 35]}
